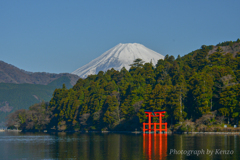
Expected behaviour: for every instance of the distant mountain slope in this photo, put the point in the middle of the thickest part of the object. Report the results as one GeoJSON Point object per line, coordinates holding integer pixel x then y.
{"type": "Point", "coordinates": [20, 89]}
{"type": "Point", "coordinates": [22, 96]}
{"type": "Point", "coordinates": [12, 74]}
{"type": "Point", "coordinates": [118, 57]}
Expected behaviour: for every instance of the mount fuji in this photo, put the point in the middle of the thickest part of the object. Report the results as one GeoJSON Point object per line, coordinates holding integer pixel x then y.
{"type": "Point", "coordinates": [122, 55]}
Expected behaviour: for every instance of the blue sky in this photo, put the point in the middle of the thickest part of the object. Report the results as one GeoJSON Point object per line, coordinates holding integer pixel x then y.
{"type": "Point", "coordinates": [60, 36]}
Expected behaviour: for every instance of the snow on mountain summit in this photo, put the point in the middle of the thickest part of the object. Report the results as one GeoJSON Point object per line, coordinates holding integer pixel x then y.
{"type": "Point", "coordinates": [122, 55]}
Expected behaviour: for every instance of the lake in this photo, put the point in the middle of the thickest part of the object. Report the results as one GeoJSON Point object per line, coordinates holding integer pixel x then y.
{"type": "Point", "coordinates": [113, 146]}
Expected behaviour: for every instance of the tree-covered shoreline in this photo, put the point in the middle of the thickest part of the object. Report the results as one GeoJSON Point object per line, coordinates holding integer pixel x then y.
{"type": "Point", "coordinates": [198, 90]}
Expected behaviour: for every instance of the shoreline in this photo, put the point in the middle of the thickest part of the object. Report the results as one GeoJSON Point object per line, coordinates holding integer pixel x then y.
{"type": "Point", "coordinates": [209, 133]}
{"type": "Point", "coordinates": [131, 132]}
{"type": "Point", "coordinates": [10, 130]}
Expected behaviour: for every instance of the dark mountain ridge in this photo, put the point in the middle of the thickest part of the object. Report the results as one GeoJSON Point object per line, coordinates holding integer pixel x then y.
{"type": "Point", "coordinates": [12, 74]}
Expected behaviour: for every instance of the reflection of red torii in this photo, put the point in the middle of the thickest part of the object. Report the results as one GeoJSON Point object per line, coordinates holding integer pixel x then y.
{"type": "Point", "coordinates": [151, 114]}
{"type": "Point", "coordinates": [155, 146]}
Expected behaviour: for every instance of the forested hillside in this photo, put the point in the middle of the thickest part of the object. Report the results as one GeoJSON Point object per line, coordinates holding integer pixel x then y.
{"type": "Point", "coordinates": [188, 88]}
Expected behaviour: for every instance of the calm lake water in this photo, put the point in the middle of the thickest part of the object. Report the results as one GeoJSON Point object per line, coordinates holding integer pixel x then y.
{"type": "Point", "coordinates": [113, 146]}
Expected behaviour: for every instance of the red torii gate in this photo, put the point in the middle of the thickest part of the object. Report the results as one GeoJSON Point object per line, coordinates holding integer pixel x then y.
{"type": "Point", "coordinates": [151, 114]}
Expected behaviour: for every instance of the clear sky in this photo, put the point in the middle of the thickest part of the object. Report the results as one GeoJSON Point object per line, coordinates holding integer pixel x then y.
{"type": "Point", "coordinates": [60, 36]}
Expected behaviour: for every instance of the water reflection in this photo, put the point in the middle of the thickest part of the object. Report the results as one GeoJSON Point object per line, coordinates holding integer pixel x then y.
{"type": "Point", "coordinates": [111, 146]}
{"type": "Point", "coordinates": [155, 146]}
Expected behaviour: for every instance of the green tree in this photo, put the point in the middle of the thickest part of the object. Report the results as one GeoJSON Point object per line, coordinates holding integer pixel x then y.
{"type": "Point", "coordinates": [111, 113]}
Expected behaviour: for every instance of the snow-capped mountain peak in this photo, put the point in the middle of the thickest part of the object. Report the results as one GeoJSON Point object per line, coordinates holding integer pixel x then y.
{"type": "Point", "coordinates": [122, 55]}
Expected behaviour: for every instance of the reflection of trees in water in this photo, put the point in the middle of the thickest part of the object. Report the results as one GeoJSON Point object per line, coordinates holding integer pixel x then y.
{"type": "Point", "coordinates": [99, 146]}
